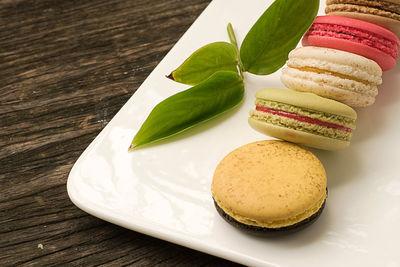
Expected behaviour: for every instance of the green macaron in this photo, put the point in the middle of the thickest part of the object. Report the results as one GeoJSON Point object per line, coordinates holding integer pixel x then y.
{"type": "Point", "coordinates": [303, 118]}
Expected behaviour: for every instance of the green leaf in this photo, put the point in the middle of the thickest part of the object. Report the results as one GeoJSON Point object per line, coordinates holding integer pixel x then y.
{"type": "Point", "coordinates": [266, 47]}
{"type": "Point", "coordinates": [218, 56]}
{"type": "Point", "coordinates": [219, 93]}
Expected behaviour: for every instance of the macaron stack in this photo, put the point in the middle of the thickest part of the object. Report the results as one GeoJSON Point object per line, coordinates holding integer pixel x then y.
{"type": "Point", "coordinates": [342, 59]}
{"type": "Point", "coordinates": [345, 52]}
{"type": "Point", "coordinates": [275, 187]}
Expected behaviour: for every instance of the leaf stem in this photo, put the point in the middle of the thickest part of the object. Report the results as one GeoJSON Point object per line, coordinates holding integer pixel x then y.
{"type": "Point", "coordinates": [232, 38]}
{"type": "Point", "coordinates": [231, 35]}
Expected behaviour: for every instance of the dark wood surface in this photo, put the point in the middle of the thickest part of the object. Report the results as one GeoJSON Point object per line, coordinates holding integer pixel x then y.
{"type": "Point", "coordinates": [66, 68]}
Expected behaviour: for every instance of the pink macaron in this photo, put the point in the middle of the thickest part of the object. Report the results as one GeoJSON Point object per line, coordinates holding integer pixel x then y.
{"type": "Point", "coordinates": [354, 36]}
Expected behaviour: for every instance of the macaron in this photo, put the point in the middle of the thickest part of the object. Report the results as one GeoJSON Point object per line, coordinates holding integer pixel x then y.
{"type": "Point", "coordinates": [269, 187]}
{"type": "Point", "coordinates": [339, 75]}
{"type": "Point", "coordinates": [303, 118]}
{"type": "Point", "coordinates": [354, 36]}
{"type": "Point", "coordinates": [385, 13]}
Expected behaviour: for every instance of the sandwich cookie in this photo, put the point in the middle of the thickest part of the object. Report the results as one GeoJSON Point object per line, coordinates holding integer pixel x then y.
{"type": "Point", "coordinates": [385, 13]}
{"type": "Point", "coordinates": [354, 36]}
{"type": "Point", "coordinates": [332, 73]}
{"type": "Point", "coordinates": [269, 187]}
{"type": "Point", "coordinates": [303, 118]}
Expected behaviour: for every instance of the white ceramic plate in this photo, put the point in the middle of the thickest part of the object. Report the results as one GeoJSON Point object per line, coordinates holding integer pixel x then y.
{"type": "Point", "coordinates": [164, 190]}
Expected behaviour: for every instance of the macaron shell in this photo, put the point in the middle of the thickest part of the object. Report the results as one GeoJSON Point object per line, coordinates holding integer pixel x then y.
{"type": "Point", "coordinates": [324, 79]}
{"type": "Point", "coordinates": [334, 60]}
{"type": "Point", "coordinates": [385, 61]}
{"type": "Point", "coordinates": [306, 100]}
{"type": "Point", "coordinates": [357, 24]}
{"type": "Point", "coordinates": [383, 13]}
{"type": "Point", "coordinates": [388, 23]}
{"type": "Point", "coordinates": [384, 8]}
{"type": "Point", "coordinates": [270, 184]}
{"type": "Point", "coordinates": [298, 137]}
{"type": "Point", "coordinates": [328, 86]}
{"type": "Point", "coordinates": [270, 232]}
{"type": "Point", "coordinates": [354, 36]}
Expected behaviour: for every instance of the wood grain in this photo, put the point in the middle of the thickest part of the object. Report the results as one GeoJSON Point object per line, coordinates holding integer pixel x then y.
{"type": "Point", "coordinates": [66, 68]}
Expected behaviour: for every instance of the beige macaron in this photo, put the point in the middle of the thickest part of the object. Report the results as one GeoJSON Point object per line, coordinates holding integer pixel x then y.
{"type": "Point", "coordinates": [270, 186]}
{"type": "Point", "coordinates": [335, 74]}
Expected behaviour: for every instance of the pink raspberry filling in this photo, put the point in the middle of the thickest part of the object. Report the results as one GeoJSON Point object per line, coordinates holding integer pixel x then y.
{"type": "Point", "coordinates": [355, 35]}
{"type": "Point", "coordinates": [302, 118]}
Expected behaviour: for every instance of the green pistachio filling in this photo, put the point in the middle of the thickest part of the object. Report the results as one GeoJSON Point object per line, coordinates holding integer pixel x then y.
{"type": "Point", "coordinates": [301, 125]}
{"type": "Point", "coordinates": [331, 118]}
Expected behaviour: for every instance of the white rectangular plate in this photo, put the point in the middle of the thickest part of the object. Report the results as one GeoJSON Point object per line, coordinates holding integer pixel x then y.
{"type": "Point", "coordinates": [164, 190]}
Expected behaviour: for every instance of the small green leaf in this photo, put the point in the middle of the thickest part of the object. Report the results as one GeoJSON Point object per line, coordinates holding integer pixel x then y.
{"type": "Point", "coordinates": [218, 56]}
{"type": "Point", "coordinates": [220, 92]}
{"type": "Point", "coordinates": [266, 46]}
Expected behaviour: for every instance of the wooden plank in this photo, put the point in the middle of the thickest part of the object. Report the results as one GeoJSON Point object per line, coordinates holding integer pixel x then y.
{"type": "Point", "coordinates": [66, 68]}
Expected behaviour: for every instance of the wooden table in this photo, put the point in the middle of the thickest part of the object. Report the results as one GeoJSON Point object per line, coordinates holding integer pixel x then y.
{"type": "Point", "coordinates": [66, 68]}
